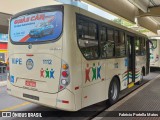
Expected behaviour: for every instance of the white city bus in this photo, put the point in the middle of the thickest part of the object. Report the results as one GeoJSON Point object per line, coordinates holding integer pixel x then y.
{"type": "Point", "coordinates": [67, 58]}
{"type": "Point", "coordinates": [154, 53]}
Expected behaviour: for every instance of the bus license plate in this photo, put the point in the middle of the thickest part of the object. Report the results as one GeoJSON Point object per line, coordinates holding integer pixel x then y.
{"type": "Point", "coordinates": [30, 83]}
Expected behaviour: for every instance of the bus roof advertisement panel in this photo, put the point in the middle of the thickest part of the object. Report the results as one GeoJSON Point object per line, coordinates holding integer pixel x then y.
{"type": "Point", "coordinates": [39, 27]}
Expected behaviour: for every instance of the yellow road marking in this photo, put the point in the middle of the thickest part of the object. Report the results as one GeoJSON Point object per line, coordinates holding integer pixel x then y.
{"type": "Point", "coordinates": [14, 107]}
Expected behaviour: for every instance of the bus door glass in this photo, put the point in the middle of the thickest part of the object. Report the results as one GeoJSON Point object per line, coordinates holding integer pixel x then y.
{"type": "Point", "coordinates": [153, 52]}
{"type": "Point", "coordinates": [148, 56]}
{"type": "Point", "coordinates": [131, 59]}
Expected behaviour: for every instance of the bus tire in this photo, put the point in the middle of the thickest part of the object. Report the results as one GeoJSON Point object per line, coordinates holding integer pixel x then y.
{"type": "Point", "coordinates": [114, 89]}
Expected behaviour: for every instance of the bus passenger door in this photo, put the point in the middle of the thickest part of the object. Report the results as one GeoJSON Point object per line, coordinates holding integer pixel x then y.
{"type": "Point", "coordinates": [131, 60]}
{"type": "Point", "coordinates": [148, 57]}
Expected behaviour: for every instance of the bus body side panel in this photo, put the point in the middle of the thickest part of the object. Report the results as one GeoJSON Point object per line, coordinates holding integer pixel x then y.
{"type": "Point", "coordinates": [96, 89]}
{"type": "Point", "coordinates": [123, 72]}
{"type": "Point", "coordinates": [69, 102]}
{"type": "Point", "coordinates": [72, 56]}
{"type": "Point", "coordinates": [96, 85]}
{"type": "Point", "coordinates": [117, 67]}
{"type": "Point", "coordinates": [154, 54]}
{"type": "Point", "coordinates": [140, 63]}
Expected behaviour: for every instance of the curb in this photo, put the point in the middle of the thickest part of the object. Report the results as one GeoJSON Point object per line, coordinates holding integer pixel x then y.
{"type": "Point", "coordinates": [3, 83]}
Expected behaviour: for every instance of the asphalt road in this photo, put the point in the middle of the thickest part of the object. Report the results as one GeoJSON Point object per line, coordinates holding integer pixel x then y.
{"type": "Point", "coordinates": [9, 103]}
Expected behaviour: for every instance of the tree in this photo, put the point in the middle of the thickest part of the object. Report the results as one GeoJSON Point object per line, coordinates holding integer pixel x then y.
{"type": "Point", "coordinates": [123, 22]}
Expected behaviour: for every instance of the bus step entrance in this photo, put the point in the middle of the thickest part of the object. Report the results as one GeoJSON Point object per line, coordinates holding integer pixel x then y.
{"type": "Point", "coordinates": [130, 84]}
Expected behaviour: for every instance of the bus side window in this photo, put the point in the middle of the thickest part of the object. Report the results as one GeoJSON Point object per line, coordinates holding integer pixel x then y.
{"type": "Point", "coordinates": [154, 42]}
{"type": "Point", "coordinates": [137, 46]}
{"type": "Point", "coordinates": [88, 39]}
{"type": "Point", "coordinates": [120, 50]}
{"type": "Point", "coordinates": [80, 32]}
{"type": "Point", "coordinates": [142, 46]}
{"type": "Point", "coordinates": [103, 39]}
{"type": "Point", "coordinates": [110, 43]}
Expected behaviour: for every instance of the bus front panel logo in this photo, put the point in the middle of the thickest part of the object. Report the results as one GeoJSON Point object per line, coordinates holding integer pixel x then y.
{"type": "Point", "coordinates": [29, 64]}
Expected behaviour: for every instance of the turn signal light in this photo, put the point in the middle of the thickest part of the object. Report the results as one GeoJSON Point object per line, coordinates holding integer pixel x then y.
{"type": "Point", "coordinates": [65, 66]}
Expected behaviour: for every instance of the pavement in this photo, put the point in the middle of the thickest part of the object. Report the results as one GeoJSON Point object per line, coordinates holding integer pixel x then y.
{"type": "Point", "coordinates": [145, 101]}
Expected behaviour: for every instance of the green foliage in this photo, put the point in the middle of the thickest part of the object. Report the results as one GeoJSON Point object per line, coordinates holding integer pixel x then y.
{"type": "Point", "coordinates": [144, 30]}
{"type": "Point", "coordinates": [128, 24]}
{"type": "Point", "coordinates": [118, 20]}
{"type": "Point", "coordinates": [123, 22]}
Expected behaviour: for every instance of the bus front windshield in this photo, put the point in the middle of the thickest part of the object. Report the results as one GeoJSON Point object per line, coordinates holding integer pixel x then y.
{"type": "Point", "coordinates": [37, 27]}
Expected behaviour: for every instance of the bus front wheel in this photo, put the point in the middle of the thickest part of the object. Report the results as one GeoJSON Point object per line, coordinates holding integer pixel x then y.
{"type": "Point", "coordinates": [114, 89]}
